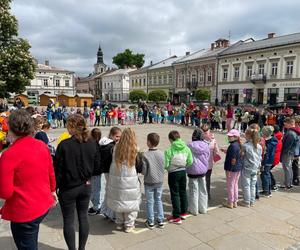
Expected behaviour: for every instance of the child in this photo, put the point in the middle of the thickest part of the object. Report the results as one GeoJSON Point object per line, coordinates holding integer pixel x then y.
{"type": "Point", "coordinates": [140, 116]}
{"type": "Point", "coordinates": [214, 155]}
{"type": "Point", "coordinates": [196, 173]}
{"type": "Point", "coordinates": [153, 170]}
{"type": "Point", "coordinates": [96, 179]}
{"type": "Point", "coordinates": [123, 190]}
{"type": "Point", "coordinates": [103, 116]}
{"type": "Point", "coordinates": [92, 117]}
{"type": "Point", "coordinates": [252, 155]}
{"type": "Point", "coordinates": [232, 167]}
{"type": "Point", "coordinates": [177, 158]}
{"type": "Point", "coordinates": [268, 159]}
{"type": "Point", "coordinates": [278, 136]}
{"type": "Point", "coordinates": [97, 114]}
{"type": "Point", "coordinates": [106, 149]}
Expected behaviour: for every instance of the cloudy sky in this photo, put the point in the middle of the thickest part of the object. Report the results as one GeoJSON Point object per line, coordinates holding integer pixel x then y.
{"type": "Point", "coordinates": [68, 32]}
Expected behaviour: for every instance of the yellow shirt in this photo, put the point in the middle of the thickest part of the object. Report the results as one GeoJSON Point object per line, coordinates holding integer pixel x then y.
{"type": "Point", "coordinates": [62, 137]}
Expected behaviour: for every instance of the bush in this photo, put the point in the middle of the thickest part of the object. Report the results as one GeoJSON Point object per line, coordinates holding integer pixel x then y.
{"type": "Point", "coordinates": [202, 95]}
{"type": "Point", "coordinates": [157, 95]}
{"type": "Point", "coordinates": [136, 95]}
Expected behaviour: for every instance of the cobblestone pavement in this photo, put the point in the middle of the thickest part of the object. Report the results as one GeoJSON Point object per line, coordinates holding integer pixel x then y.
{"type": "Point", "coordinates": [274, 223]}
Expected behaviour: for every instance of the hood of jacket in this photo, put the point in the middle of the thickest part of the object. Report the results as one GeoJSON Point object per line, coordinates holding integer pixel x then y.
{"type": "Point", "coordinates": [296, 130]}
{"type": "Point", "coordinates": [278, 136]}
{"type": "Point", "coordinates": [200, 151]}
{"type": "Point", "coordinates": [105, 141]}
{"type": "Point", "coordinates": [178, 145]}
{"type": "Point", "coordinates": [199, 147]}
{"type": "Point", "coordinates": [273, 141]}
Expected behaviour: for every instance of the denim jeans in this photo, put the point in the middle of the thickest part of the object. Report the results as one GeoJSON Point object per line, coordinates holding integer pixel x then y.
{"type": "Point", "coordinates": [153, 201]}
{"type": "Point", "coordinates": [26, 234]}
{"type": "Point", "coordinates": [249, 179]}
{"type": "Point", "coordinates": [197, 196]}
{"type": "Point", "coordinates": [266, 179]}
{"type": "Point", "coordinates": [96, 192]}
{"type": "Point", "coordinates": [288, 169]}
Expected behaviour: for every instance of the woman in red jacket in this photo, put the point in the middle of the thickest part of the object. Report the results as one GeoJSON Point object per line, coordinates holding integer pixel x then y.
{"type": "Point", "coordinates": [27, 181]}
{"type": "Point", "coordinates": [278, 149]}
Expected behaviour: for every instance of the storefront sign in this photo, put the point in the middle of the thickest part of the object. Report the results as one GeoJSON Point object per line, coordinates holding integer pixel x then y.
{"type": "Point", "coordinates": [291, 84]}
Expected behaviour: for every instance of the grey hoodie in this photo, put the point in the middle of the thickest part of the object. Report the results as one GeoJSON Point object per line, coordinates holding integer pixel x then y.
{"type": "Point", "coordinates": [251, 156]}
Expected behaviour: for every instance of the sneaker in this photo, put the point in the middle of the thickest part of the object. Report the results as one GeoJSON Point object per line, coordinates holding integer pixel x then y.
{"type": "Point", "coordinates": [228, 205]}
{"type": "Point", "coordinates": [256, 197]}
{"type": "Point", "coordinates": [275, 188]}
{"type": "Point", "coordinates": [266, 194]}
{"type": "Point", "coordinates": [160, 224]}
{"type": "Point", "coordinates": [184, 216]}
{"type": "Point", "coordinates": [92, 211]}
{"type": "Point", "coordinates": [119, 227]}
{"type": "Point", "coordinates": [244, 204]}
{"type": "Point", "coordinates": [289, 188]}
{"type": "Point", "coordinates": [129, 229]}
{"type": "Point", "coordinates": [149, 225]}
{"type": "Point", "coordinates": [235, 204]}
{"type": "Point", "coordinates": [251, 204]}
{"type": "Point", "coordinates": [296, 182]}
{"type": "Point", "coordinates": [178, 221]}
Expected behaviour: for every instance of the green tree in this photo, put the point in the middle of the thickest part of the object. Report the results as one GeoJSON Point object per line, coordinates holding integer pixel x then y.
{"type": "Point", "coordinates": [17, 65]}
{"type": "Point", "coordinates": [128, 58]}
{"type": "Point", "coordinates": [136, 95]}
{"type": "Point", "coordinates": [157, 95]}
{"type": "Point", "coordinates": [202, 94]}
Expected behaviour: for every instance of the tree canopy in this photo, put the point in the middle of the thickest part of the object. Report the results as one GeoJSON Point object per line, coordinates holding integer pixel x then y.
{"type": "Point", "coordinates": [129, 59]}
{"type": "Point", "coordinates": [17, 64]}
{"type": "Point", "coordinates": [157, 95]}
{"type": "Point", "coordinates": [136, 95]}
{"type": "Point", "coordinates": [202, 95]}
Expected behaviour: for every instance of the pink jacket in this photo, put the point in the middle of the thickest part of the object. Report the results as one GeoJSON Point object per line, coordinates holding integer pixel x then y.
{"type": "Point", "coordinates": [213, 148]}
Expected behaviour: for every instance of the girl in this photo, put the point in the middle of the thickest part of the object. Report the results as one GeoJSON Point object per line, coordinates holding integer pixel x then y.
{"type": "Point", "coordinates": [229, 117]}
{"type": "Point", "coordinates": [140, 116]}
{"type": "Point", "coordinates": [197, 198]}
{"type": "Point", "coordinates": [214, 155]}
{"type": "Point", "coordinates": [252, 155]}
{"type": "Point", "coordinates": [75, 161]}
{"type": "Point", "coordinates": [123, 190]}
{"type": "Point", "coordinates": [106, 150]}
{"type": "Point", "coordinates": [278, 135]}
{"type": "Point", "coordinates": [232, 167]}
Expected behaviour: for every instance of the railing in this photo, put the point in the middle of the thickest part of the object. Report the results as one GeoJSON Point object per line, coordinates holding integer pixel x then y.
{"type": "Point", "coordinates": [258, 78]}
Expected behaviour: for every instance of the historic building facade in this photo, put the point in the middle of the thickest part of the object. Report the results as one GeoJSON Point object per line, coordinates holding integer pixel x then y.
{"type": "Point", "coordinates": [138, 79]}
{"type": "Point", "coordinates": [264, 71]}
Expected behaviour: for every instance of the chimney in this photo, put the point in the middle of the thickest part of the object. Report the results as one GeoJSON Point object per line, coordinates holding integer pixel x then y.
{"type": "Point", "coordinates": [212, 46]}
{"type": "Point", "coordinates": [47, 62]}
{"type": "Point", "coordinates": [271, 35]}
{"type": "Point", "coordinates": [187, 53]}
{"type": "Point", "coordinates": [151, 63]}
{"type": "Point", "coordinates": [226, 43]}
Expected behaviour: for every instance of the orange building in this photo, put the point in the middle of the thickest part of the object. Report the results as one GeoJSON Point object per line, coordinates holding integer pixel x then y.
{"type": "Point", "coordinates": [84, 100]}
{"type": "Point", "coordinates": [67, 100]}
{"type": "Point", "coordinates": [45, 98]}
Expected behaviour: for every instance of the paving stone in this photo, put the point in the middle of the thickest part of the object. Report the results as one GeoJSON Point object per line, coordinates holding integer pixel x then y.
{"type": "Point", "coordinates": [273, 240]}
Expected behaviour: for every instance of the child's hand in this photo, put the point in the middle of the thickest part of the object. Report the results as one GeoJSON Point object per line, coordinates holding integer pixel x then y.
{"type": "Point", "coordinates": [233, 162]}
{"type": "Point", "coordinates": [224, 150]}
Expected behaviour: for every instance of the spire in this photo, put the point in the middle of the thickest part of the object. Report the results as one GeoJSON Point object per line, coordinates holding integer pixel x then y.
{"type": "Point", "coordinates": [99, 55]}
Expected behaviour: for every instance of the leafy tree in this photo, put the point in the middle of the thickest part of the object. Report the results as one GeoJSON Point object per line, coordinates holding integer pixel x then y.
{"type": "Point", "coordinates": [17, 65]}
{"type": "Point", "coordinates": [202, 94]}
{"type": "Point", "coordinates": [136, 95]}
{"type": "Point", "coordinates": [157, 95]}
{"type": "Point", "coordinates": [127, 58]}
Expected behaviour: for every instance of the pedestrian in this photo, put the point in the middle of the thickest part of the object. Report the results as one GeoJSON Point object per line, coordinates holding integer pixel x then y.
{"type": "Point", "coordinates": [177, 157]}
{"type": "Point", "coordinates": [251, 160]}
{"type": "Point", "coordinates": [96, 178]}
{"type": "Point", "coordinates": [278, 135]}
{"type": "Point", "coordinates": [65, 115]}
{"type": "Point", "coordinates": [290, 143]}
{"type": "Point", "coordinates": [92, 117]}
{"type": "Point", "coordinates": [232, 167]}
{"type": "Point", "coordinates": [76, 160]}
{"type": "Point", "coordinates": [97, 115]}
{"type": "Point", "coordinates": [229, 117]}
{"type": "Point", "coordinates": [107, 145]}
{"type": "Point", "coordinates": [295, 163]}
{"type": "Point", "coordinates": [268, 159]}
{"type": "Point", "coordinates": [27, 181]}
{"type": "Point", "coordinates": [153, 171]}
{"type": "Point", "coordinates": [198, 198]}
{"type": "Point", "coordinates": [86, 114]}
{"type": "Point", "coordinates": [123, 189]}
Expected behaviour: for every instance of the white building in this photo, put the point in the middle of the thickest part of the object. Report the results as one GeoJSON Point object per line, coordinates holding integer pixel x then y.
{"type": "Point", "coordinates": [263, 71]}
{"type": "Point", "coordinates": [51, 80]}
{"type": "Point", "coordinates": [115, 85]}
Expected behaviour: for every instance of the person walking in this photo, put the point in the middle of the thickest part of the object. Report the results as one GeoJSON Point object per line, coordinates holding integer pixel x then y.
{"type": "Point", "coordinates": [27, 181]}
{"type": "Point", "coordinates": [76, 160]}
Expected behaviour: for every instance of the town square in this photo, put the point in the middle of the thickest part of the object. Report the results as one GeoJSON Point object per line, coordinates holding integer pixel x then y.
{"type": "Point", "coordinates": [149, 124]}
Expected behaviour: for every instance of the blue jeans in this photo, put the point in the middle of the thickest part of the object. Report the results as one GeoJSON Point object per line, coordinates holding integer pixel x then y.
{"type": "Point", "coordinates": [266, 179]}
{"type": "Point", "coordinates": [249, 179]}
{"type": "Point", "coordinates": [153, 199]}
{"type": "Point", "coordinates": [26, 234]}
{"type": "Point", "coordinates": [96, 192]}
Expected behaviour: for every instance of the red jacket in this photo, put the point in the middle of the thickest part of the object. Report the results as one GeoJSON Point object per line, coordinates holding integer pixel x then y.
{"type": "Point", "coordinates": [26, 180]}
{"type": "Point", "coordinates": [278, 148]}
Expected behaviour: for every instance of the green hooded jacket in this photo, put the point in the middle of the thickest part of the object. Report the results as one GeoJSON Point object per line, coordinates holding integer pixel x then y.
{"type": "Point", "coordinates": [178, 156]}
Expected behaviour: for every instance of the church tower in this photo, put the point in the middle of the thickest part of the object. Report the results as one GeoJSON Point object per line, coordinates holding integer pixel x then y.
{"type": "Point", "coordinates": [100, 66]}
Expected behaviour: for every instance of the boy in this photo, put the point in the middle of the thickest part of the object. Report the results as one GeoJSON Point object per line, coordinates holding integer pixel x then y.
{"type": "Point", "coordinates": [153, 171]}
{"type": "Point", "coordinates": [177, 158]}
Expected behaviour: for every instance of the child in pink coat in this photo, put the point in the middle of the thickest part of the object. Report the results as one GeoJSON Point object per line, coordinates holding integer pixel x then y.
{"type": "Point", "coordinates": [92, 117]}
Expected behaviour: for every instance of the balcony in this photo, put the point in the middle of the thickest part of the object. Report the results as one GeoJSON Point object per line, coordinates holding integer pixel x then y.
{"type": "Point", "coordinates": [257, 78]}
{"type": "Point", "coordinates": [288, 76]}
{"type": "Point", "coordinates": [273, 77]}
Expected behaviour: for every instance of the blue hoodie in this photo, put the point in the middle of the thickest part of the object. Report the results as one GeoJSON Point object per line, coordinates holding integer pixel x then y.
{"type": "Point", "coordinates": [233, 152]}
{"type": "Point", "coordinates": [269, 153]}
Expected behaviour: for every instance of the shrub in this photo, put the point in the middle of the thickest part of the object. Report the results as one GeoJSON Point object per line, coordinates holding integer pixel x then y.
{"type": "Point", "coordinates": [202, 95]}
{"type": "Point", "coordinates": [157, 95]}
{"type": "Point", "coordinates": [136, 95]}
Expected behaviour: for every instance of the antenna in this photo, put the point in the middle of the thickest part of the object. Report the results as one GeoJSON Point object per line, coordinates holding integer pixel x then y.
{"type": "Point", "coordinates": [229, 35]}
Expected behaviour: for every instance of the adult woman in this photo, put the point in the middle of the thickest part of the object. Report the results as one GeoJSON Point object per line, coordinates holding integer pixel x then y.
{"type": "Point", "coordinates": [75, 161]}
{"type": "Point", "coordinates": [27, 181]}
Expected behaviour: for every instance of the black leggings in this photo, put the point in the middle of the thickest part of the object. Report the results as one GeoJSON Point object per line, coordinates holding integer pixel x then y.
{"type": "Point", "coordinates": [79, 198]}
{"type": "Point", "coordinates": [207, 178]}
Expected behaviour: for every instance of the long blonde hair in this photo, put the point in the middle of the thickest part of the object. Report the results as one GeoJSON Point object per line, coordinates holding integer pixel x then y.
{"type": "Point", "coordinates": [126, 149]}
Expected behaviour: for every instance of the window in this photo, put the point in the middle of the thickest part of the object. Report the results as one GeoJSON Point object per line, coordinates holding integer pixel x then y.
{"type": "Point", "coordinates": [132, 82]}
{"type": "Point", "coordinates": [274, 69]}
{"type": "Point", "coordinates": [105, 85]}
{"type": "Point", "coordinates": [46, 82]}
{"type": "Point", "coordinates": [67, 83]}
{"type": "Point", "coordinates": [120, 97]}
{"type": "Point", "coordinates": [165, 79]}
{"type": "Point", "coordinates": [291, 94]}
{"type": "Point", "coordinates": [261, 69]}
{"type": "Point", "coordinates": [140, 82]}
{"type": "Point", "coordinates": [249, 71]}
{"type": "Point", "coordinates": [236, 72]}
{"type": "Point", "coordinates": [150, 80]}
{"type": "Point", "coordinates": [194, 79]}
{"type": "Point", "coordinates": [116, 96]}
{"type": "Point", "coordinates": [201, 76]}
{"type": "Point", "coordinates": [159, 80]}
{"type": "Point", "coordinates": [170, 79]}
{"type": "Point", "coordinates": [144, 81]}
{"type": "Point", "coordinates": [57, 82]}
{"type": "Point", "coordinates": [209, 77]}
{"type": "Point", "coordinates": [225, 73]}
{"type": "Point", "coordinates": [289, 67]}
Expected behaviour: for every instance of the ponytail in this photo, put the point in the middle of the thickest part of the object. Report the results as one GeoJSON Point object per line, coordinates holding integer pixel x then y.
{"type": "Point", "coordinates": [77, 124]}
{"type": "Point", "coordinates": [254, 135]}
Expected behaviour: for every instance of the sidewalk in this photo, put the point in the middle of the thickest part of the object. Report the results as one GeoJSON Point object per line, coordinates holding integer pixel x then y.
{"type": "Point", "coordinates": [274, 223]}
